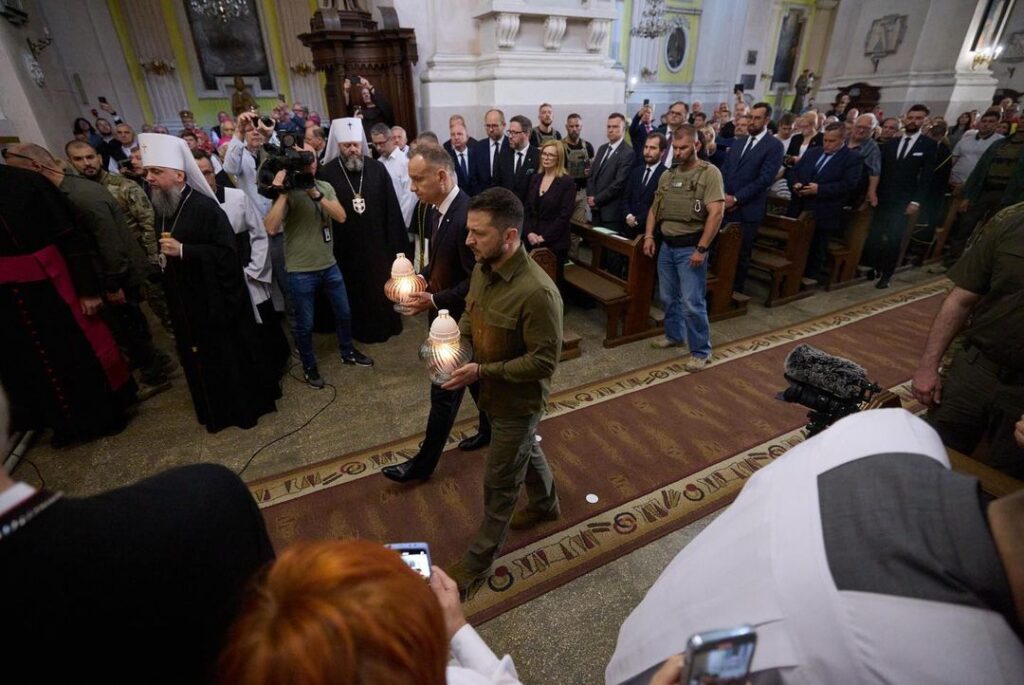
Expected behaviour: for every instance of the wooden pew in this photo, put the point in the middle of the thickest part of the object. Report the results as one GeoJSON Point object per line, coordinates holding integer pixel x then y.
{"type": "Point", "coordinates": [943, 231]}
{"type": "Point", "coordinates": [780, 251]}
{"type": "Point", "coordinates": [627, 303]}
{"type": "Point", "coordinates": [723, 303]}
{"type": "Point", "coordinates": [845, 252]}
{"type": "Point", "coordinates": [571, 340]}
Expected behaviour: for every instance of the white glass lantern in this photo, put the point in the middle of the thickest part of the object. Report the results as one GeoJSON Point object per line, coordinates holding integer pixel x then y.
{"type": "Point", "coordinates": [444, 350]}
{"type": "Point", "coordinates": [404, 282]}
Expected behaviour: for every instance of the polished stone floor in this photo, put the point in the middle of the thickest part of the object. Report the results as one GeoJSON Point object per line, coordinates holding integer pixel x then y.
{"type": "Point", "coordinates": [565, 636]}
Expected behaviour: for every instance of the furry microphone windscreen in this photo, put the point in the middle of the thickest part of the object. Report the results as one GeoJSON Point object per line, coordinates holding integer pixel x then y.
{"type": "Point", "coordinates": [835, 375]}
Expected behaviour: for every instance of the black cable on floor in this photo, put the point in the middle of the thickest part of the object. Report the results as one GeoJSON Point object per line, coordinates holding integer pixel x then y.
{"type": "Point", "coordinates": [42, 481]}
{"type": "Point", "coordinates": [334, 396]}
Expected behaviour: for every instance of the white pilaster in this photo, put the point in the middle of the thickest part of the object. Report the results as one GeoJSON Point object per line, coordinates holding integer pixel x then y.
{"type": "Point", "coordinates": [150, 41]}
{"type": "Point", "coordinates": [305, 88]}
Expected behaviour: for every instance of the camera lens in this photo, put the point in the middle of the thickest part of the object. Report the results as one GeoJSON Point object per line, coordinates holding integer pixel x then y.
{"type": "Point", "coordinates": [267, 121]}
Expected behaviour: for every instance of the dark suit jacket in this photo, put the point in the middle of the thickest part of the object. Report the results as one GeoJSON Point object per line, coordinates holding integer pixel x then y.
{"type": "Point", "coordinates": [607, 183]}
{"type": "Point", "coordinates": [906, 180]}
{"type": "Point", "coordinates": [481, 167]}
{"type": "Point", "coordinates": [517, 182]}
{"type": "Point", "coordinates": [467, 181]}
{"type": "Point", "coordinates": [638, 196]}
{"type": "Point", "coordinates": [548, 215]}
{"type": "Point", "coordinates": [447, 145]}
{"type": "Point", "coordinates": [836, 180]}
{"type": "Point", "coordinates": [139, 583]}
{"type": "Point", "coordinates": [749, 178]}
{"type": "Point", "coordinates": [451, 261]}
{"type": "Point", "coordinates": [797, 139]}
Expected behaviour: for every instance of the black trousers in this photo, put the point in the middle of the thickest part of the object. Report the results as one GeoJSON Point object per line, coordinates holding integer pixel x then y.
{"type": "Point", "coordinates": [882, 249]}
{"type": "Point", "coordinates": [748, 230]}
{"type": "Point", "coordinates": [817, 255]}
{"type": "Point", "coordinates": [444, 407]}
{"type": "Point", "coordinates": [131, 331]}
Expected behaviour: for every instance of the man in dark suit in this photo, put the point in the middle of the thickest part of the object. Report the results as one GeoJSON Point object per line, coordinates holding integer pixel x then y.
{"type": "Point", "coordinates": [517, 163]}
{"type": "Point", "coordinates": [452, 121]}
{"type": "Point", "coordinates": [608, 176]}
{"type": "Point", "coordinates": [643, 182]}
{"type": "Point", "coordinates": [750, 169]}
{"type": "Point", "coordinates": [907, 166]}
{"type": "Point", "coordinates": [447, 273]}
{"type": "Point", "coordinates": [135, 584]}
{"type": "Point", "coordinates": [489, 150]}
{"type": "Point", "coordinates": [463, 153]}
{"type": "Point", "coordinates": [820, 183]}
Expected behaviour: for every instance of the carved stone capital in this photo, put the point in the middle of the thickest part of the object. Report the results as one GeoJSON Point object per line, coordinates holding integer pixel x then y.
{"type": "Point", "coordinates": [554, 31]}
{"type": "Point", "coordinates": [506, 29]}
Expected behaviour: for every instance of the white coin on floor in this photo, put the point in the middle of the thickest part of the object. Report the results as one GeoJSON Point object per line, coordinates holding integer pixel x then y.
{"type": "Point", "coordinates": [592, 498]}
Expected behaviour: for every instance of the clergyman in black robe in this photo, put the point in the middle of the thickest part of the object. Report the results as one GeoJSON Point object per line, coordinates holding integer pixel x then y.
{"type": "Point", "coordinates": [366, 244]}
{"type": "Point", "coordinates": [61, 368]}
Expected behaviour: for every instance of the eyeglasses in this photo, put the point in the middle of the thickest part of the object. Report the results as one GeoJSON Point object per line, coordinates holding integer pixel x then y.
{"type": "Point", "coordinates": [516, 133]}
{"type": "Point", "coordinates": [549, 155]}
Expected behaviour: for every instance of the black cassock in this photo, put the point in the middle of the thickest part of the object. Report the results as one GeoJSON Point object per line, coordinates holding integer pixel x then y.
{"type": "Point", "coordinates": [61, 369]}
{"type": "Point", "coordinates": [228, 373]}
{"type": "Point", "coordinates": [366, 245]}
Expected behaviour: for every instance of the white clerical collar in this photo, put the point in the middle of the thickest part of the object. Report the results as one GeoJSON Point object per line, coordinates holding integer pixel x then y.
{"type": "Point", "coordinates": [448, 200]}
{"type": "Point", "coordinates": [15, 495]}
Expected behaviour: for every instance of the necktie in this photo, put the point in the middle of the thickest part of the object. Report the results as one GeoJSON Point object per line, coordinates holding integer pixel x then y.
{"type": "Point", "coordinates": [821, 163]}
{"type": "Point", "coordinates": [519, 162]}
{"type": "Point", "coordinates": [746, 148]}
{"type": "Point", "coordinates": [647, 177]}
{"type": "Point", "coordinates": [462, 164]}
{"type": "Point", "coordinates": [496, 147]}
{"type": "Point", "coordinates": [435, 221]}
{"type": "Point", "coordinates": [903, 148]}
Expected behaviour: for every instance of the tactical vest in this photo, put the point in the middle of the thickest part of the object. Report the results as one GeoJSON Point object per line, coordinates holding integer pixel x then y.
{"type": "Point", "coordinates": [576, 160]}
{"type": "Point", "coordinates": [682, 210]}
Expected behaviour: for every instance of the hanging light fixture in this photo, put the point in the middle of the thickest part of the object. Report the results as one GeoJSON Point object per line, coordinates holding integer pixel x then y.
{"type": "Point", "coordinates": [652, 22]}
{"type": "Point", "coordinates": [444, 350]}
{"type": "Point", "coordinates": [404, 282]}
{"type": "Point", "coordinates": [220, 9]}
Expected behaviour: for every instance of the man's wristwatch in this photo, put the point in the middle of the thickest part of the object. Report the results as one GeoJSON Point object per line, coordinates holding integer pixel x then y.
{"type": "Point", "coordinates": [701, 249]}
{"type": "Point", "coordinates": [318, 198]}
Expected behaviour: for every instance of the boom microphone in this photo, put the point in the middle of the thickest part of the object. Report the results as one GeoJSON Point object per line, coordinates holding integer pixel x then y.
{"type": "Point", "coordinates": [837, 376]}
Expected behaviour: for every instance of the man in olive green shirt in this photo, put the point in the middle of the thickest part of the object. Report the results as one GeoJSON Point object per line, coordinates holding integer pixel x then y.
{"type": "Point", "coordinates": [513, 318]}
{"type": "Point", "coordinates": [687, 208]}
{"type": "Point", "coordinates": [983, 393]}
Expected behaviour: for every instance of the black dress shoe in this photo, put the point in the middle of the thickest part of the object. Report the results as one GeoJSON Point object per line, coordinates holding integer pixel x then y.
{"type": "Point", "coordinates": [475, 442]}
{"type": "Point", "coordinates": [404, 472]}
{"type": "Point", "coordinates": [883, 283]}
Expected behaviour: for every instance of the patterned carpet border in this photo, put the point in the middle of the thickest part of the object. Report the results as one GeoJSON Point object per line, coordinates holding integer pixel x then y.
{"type": "Point", "coordinates": [539, 567]}
{"type": "Point", "coordinates": [347, 468]}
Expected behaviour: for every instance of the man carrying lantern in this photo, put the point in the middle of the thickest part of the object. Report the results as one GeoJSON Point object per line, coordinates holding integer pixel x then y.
{"type": "Point", "coordinates": [449, 264]}
{"type": "Point", "coordinates": [513, 318]}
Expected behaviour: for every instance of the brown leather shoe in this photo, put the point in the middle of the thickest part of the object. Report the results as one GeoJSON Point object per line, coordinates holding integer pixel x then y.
{"type": "Point", "coordinates": [528, 518]}
{"type": "Point", "coordinates": [464, 577]}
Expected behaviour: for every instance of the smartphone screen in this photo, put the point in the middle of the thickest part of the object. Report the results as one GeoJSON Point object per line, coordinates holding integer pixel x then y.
{"type": "Point", "coordinates": [720, 658]}
{"type": "Point", "coordinates": [416, 556]}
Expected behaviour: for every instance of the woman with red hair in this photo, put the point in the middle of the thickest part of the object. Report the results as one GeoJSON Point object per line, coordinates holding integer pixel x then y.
{"type": "Point", "coordinates": [351, 612]}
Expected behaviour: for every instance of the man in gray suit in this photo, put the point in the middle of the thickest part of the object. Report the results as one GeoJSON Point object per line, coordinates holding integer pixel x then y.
{"type": "Point", "coordinates": [606, 187]}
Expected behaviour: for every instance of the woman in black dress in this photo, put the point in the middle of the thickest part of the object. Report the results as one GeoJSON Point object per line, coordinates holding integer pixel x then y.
{"type": "Point", "coordinates": [549, 205]}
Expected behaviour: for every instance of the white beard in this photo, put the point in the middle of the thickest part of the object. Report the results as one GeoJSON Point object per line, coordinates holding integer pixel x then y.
{"type": "Point", "coordinates": [165, 202]}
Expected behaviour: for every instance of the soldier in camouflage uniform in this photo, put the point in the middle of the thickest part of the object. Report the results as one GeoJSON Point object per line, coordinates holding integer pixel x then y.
{"type": "Point", "coordinates": [139, 213]}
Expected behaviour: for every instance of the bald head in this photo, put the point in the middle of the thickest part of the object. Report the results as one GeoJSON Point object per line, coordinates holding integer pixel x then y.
{"type": "Point", "coordinates": [35, 158]}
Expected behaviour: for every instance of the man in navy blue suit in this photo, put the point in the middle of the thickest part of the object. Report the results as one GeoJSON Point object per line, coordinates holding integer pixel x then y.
{"type": "Point", "coordinates": [820, 183]}
{"type": "Point", "coordinates": [750, 169]}
{"type": "Point", "coordinates": [463, 153]}
{"type": "Point", "coordinates": [643, 181]}
{"type": "Point", "coordinates": [489, 150]}
{"type": "Point", "coordinates": [907, 166]}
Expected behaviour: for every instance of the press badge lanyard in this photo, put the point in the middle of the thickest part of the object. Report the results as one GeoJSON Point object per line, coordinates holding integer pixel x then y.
{"type": "Point", "coordinates": [325, 224]}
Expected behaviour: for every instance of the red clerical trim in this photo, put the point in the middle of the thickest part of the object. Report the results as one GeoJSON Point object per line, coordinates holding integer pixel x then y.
{"type": "Point", "coordinates": [48, 264]}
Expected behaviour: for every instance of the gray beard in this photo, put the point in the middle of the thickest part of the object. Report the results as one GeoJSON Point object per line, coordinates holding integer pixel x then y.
{"type": "Point", "coordinates": [165, 202]}
{"type": "Point", "coordinates": [354, 163]}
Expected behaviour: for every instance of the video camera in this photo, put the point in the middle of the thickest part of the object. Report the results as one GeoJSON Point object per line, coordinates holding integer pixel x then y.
{"type": "Point", "coordinates": [285, 157]}
{"type": "Point", "coordinates": [831, 387]}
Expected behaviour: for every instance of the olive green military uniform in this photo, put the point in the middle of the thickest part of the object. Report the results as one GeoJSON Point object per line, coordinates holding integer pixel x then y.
{"type": "Point", "coordinates": [514, 319]}
{"type": "Point", "coordinates": [983, 394]}
{"type": "Point", "coordinates": [138, 212]}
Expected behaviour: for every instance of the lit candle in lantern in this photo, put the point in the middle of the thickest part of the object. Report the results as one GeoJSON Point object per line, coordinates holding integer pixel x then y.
{"type": "Point", "coordinates": [444, 350]}
{"type": "Point", "coordinates": [404, 282]}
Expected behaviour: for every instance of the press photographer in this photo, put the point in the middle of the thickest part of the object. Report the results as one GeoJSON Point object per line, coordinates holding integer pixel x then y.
{"type": "Point", "coordinates": [304, 214]}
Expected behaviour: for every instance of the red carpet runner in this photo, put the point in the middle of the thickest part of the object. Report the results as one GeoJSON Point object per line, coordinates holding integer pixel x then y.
{"type": "Point", "coordinates": [660, 448]}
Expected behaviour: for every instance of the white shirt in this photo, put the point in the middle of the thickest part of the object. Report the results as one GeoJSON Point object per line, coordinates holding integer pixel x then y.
{"type": "Point", "coordinates": [967, 152]}
{"type": "Point", "coordinates": [900, 153]}
{"type": "Point", "coordinates": [397, 164]}
{"type": "Point", "coordinates": [473, 662]}
{"type": "Point", "coordinates": [763, 562]}
{"type": "Point", "coordinates": [752, 141]}
{"type": "Point", "coordinates": [448, 200]}
{"type": "Point", "coordinates": [15, 495]}
{"type": "Point", "coordinates": [240, 163]}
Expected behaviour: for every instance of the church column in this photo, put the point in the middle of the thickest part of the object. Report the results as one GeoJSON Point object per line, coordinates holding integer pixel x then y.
{"type": "Point", "coordinates": [305, 84]}
{"type": "Point", "coordinates": [146, 25]}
